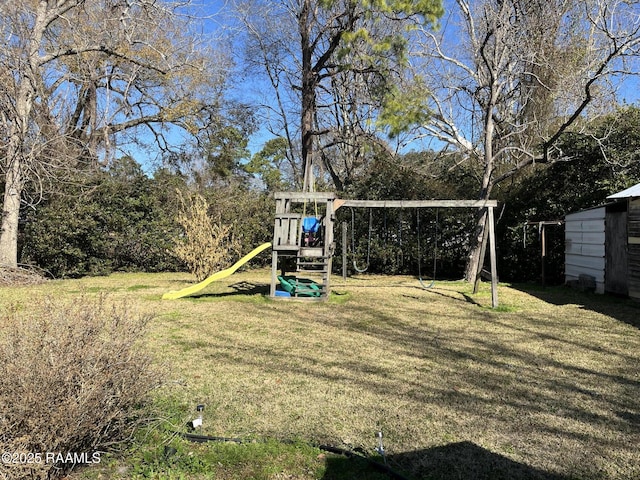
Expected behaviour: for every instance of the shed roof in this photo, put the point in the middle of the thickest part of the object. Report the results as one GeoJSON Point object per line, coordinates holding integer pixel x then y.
{"type": "Point", "coordinates": [629, 192]}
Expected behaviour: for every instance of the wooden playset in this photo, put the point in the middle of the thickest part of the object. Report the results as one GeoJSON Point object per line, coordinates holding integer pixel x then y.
{"type": "Point", "coordinates": [303, 244]}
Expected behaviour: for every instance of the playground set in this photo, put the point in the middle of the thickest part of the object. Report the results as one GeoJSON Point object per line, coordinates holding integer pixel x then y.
{"type": "Point", "coordinates": [303, 244]}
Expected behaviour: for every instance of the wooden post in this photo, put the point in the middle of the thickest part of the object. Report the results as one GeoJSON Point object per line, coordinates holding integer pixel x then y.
{"type": "Point", "coordinates": [483, 253]}
{"type": "Point", "coordinates": [329, 243]}
{"type": "Point", "coordinates": [493, 260]}
{"type": "Point", "coordinates": [543, 253]}
{"type": "Point", "coordinates": [274, 272]}
{"type": "Point", "coordinates": [344, 250]}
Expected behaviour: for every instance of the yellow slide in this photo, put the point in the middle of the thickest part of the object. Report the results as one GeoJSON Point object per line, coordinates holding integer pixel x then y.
{"type": "Point", "coordinates": [185, 292]}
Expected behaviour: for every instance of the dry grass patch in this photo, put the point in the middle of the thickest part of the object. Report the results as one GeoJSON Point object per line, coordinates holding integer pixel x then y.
{"type": "Point", "coordinates": [10, 276]}
{"type": "Point", "coordinates": [548, 387]}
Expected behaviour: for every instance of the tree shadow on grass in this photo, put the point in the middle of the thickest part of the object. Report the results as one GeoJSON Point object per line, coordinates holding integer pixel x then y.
{"type": "Point", "coordinates": [465, 362]}
{"type": "Point", "coordinates": [621, 308]}
{"type": "Point", "coordinates": [249, 288]}
{"type": "Point", "coordinates": [445, 293]}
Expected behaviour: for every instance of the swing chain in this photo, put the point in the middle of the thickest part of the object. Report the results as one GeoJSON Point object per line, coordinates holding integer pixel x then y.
{"type": "Point", "coordinates": [435, 251]}
{"type": "Point", "coordinates": [353, 241]}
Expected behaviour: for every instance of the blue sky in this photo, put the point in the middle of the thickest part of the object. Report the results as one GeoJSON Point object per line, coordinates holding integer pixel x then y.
{"type": "Point", "coordinates": [218, 19]}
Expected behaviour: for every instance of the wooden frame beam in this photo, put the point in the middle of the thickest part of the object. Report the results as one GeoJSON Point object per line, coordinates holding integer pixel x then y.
{"type": "Point", "coordinates": [419, 203]}
{"type": "Point", "coordinates": [304, 196]}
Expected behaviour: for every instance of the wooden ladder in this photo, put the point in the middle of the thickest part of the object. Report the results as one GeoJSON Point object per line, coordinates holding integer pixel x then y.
{"type": "Point", "coordinates": [315, 267]}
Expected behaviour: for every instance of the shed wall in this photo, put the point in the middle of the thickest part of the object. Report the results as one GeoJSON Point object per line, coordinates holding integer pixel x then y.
{"type": "Point", "coordinates": [633, 227]}
{"type": "Point", "coordinates": [617, 259]}
{"type": "Point", "coordinates": [585, 246]}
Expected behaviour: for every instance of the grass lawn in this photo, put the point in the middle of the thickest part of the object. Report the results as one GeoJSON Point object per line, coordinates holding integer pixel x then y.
{"type": "Point", "coordinates": [546, 386]}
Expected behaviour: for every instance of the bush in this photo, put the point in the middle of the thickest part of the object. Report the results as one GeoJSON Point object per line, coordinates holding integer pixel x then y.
{"type": "Point", "coordinates": [206, 246]}
{"type": "Point", "coordinates": [392, 246]}
{"type": "Point", "coordinates": [112, 220]}
{"type": "Point", "coordinates": [74, 380]}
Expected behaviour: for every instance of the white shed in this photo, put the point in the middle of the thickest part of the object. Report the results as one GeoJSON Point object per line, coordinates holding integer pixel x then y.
{"type": "Point", "coordinates": [603, 243]}
{"type": "Point", "coordinates": [585, 246]}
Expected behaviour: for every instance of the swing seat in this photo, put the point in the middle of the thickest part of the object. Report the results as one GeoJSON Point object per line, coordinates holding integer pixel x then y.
{"type": "Point", "coordinates": [310, 228]}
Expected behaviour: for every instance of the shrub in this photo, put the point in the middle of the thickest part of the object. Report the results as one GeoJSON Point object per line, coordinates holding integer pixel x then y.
{"type": "Point", "coordinates": [74, 380]}
{"type": "Point", "coordinates": [206, 246]}
{"type": "Point", "coordinates": [111, 220]}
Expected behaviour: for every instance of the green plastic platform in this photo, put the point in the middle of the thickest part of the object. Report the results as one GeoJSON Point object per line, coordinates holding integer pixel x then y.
{"type": "Point", "coordinates": [300, 287]}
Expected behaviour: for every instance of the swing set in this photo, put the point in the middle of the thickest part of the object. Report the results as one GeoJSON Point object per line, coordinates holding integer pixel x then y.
{"type": "Point", "coordinates": [419, 235]}
{"type": "Point", "coordinates": [289, 235]}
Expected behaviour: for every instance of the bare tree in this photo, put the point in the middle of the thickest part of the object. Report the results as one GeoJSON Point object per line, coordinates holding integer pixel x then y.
{"type": "Point", "coordinates": [270, 56]}
{"type": "Point", "coordinates": [78, 74]}
{"type": "Point", "coordinates": [329, 43]}
{"type": "Point", "coordinates": [510, 77]}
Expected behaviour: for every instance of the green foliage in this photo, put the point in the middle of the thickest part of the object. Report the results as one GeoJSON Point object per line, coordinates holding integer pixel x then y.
{"type": "Point", "coordinates": [401, 107]}
{"type": "Point", "coordinates": [393, 243]}
{"type": "Point", "coordinates": [605, 161]}
{"type": "Point", "coordinates": [429, 10]}
{"type": "Point", "coordinates": [218, 150]}
{"type": "Point", "coordinates": [249, 213]}
{"type": "Point", "coordinates": [117, 219]}
{"type": "Point", "coordinates": [404, 108]}
{"type": "Point", "coordinates": [393, 45]}
{"type": "Point", "coordinates": [227, 146]}
{"type": "Point", "coordinates": [267, 164]}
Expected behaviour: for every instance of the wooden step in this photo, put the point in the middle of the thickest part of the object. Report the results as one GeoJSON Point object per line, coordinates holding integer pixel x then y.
{"type": "Point", "coordinates": [311, 252]}
{"type": "Point", "coordinates": [310, 265]}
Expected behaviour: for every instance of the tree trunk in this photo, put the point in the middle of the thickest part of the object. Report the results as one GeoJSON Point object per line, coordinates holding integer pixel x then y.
{"type": "Point", "coordinates": [308, 97]}
{"type": "Point", "coordinates": [14, 178]}
{"type": "Point", "coordinates": [15, 155]}
{"type": "Point", "coordinates": [11, 214]}
{"type": "Point", "coordinates": [474, 262]}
